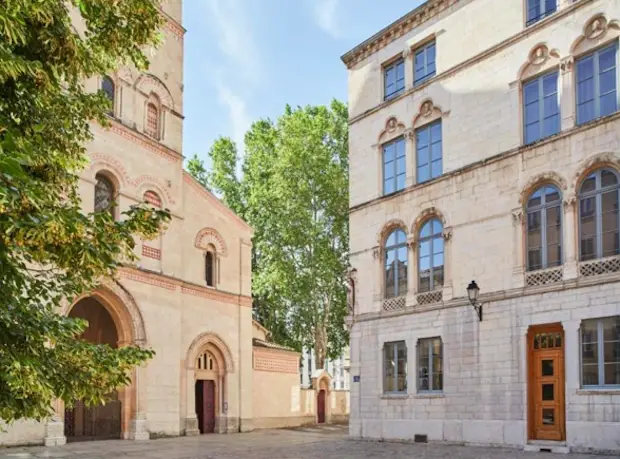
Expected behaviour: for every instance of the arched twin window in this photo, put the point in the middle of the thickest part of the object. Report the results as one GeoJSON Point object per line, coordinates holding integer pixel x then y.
{"type": "Point", "coordinates": [104, 194]}
{"type": "Point", "coordinates": [599, 219]}
{"type": "Point", "coordinates": [396, 264]}
{"type": "Point", "coordinates": [544, 228]}
{"type": "Point", "coordinates": [430, 256]}
{"type": "Point", "coordinates": [107, 86]}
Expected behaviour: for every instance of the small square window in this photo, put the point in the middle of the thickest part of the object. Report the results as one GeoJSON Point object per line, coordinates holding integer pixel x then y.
{"type": "Point", "coordinates": [394, 79]}
{"type": "Point", "coordinates": [597, 85]}
{"type": "Point", "coordinates": [540, 9]}
{"type": "Point", "coordinates": [600, 353]}
{"type": "Point", "coordinates": [430, 365]}
{"type": "Point", "coordinates": [424, 63]}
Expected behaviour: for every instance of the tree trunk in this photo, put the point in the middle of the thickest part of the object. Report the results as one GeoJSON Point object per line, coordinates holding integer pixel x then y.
{"type": "Point", "coordinates": [320, 345]}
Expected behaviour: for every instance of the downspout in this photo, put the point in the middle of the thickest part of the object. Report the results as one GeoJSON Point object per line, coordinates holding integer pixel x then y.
{"type": "Point", "coordinates": [240, 378]}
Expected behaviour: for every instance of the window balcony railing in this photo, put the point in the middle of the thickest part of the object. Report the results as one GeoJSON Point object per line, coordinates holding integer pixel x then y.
{"type": "Point", "coordinates": [432, 297]}
{"type": "Point", "coordinates": [395, 303]}
{"type": "Point", "coordinates": [544, 276]}
{"type": "Point", "coordinates": [599, 266]}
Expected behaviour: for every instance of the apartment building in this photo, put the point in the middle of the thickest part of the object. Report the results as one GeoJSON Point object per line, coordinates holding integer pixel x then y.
{"type": "Point", "coordinates": [485, 225]}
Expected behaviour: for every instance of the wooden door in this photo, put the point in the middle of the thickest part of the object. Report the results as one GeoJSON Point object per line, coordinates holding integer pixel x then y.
{"type": "Point", "coordinates": [209, 406]}
{"type": "Point", "coordinates": [321, 407]}
{"type": "Point", "coordinates": [546, 383]}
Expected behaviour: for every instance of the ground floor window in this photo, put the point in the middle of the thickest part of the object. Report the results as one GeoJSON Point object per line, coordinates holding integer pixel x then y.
{"type": "Point", "coordinates": [395, 368]}
{"type": "Point", "coordinates": [430, 365]}
{"type": "Point", "coordinates": [600, 352]}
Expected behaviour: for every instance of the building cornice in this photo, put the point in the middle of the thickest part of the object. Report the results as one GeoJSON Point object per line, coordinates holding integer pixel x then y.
{"type": "Point", "coordinates": [487, 161]}
{"type": "Point", "coordinates": [475, 59]}
{"type": "Point", "coordinates": [173, 25]}
{"type": "Point", "coordinates": [175, 284]}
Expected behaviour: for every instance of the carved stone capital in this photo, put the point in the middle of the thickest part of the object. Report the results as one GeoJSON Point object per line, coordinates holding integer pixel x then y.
{"type": "Point", "coordinates": [376, 252]}
{"type": "Point", "coordinates": [517, 216]}
{"type": "Point", "coordinates": [447, 233]}
{"type": "Point", "coordinates": [412, 243]}
{"type": "Point", "coordinates": [569, 203]}
{"type": "Point", "coordinates": [566, 64]}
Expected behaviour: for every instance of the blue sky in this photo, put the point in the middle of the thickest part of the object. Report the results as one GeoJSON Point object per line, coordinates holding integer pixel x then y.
{"type": "Point", "coordinates": [246, 59]}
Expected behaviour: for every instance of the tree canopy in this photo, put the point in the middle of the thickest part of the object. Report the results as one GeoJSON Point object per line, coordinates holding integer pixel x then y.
{"type": "Point", "coordinates": [294, 191]}
{"type": "Point", "coordinates": [50, 250]}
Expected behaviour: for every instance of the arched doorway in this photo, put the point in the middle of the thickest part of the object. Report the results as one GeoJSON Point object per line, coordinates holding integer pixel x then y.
{"type": "Point", "coordinates": [207, 375]}
{"type": "Point", "coordinates": [101, 422]}
{"type": "Point", "coordinates": [321, 407]}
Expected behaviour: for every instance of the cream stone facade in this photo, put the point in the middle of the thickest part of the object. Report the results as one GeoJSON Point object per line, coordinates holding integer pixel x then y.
{"type": "Point", "coordinates": [483, 382]}
{"type": "Point", "coordinates": [188, 297]}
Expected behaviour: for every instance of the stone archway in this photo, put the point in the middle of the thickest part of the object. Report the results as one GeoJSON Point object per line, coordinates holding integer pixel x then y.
{"type": "Point", "coordinates": [321, 383]}
{"type": "Point", "coordinates": [114, 319]}
{"type": "Point", "coordinates": [208, 365]}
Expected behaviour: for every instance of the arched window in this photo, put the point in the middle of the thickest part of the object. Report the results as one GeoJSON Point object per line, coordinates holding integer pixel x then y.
{"type": "Point", "coordinates": [430, 256]}
{"type": "Point", "coordinates": [396, 264]}
{"type": "Point", "coordinates": [544, 228]}
{"type": "Point", "coordinates": [210, 268]}
{"type": "Point", "coordinates": [152, 120]}
{"type": "Point", "coordinates": [107, 86]}
{"type": "Point", "coordinates": [206, 362]}
{"type": "Point", "coordinates": [152, 198]}
{"type": "Point", "coordinates": [599, 216]}
{"type": "Point", "coordinates": [104, 194]}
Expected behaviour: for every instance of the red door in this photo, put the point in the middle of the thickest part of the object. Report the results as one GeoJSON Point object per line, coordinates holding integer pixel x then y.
{"type": "Point", "coordinates": [321, 407]}
{"type": "Point", "coordinates": [205, 406]}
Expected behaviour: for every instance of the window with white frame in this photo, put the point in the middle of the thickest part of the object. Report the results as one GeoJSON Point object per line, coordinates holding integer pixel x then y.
{"type": "Point", "coordinates": [394, 169]}
{"type": "Point", "coordinates": [541, 108]}
{"type": "Point", "coordinates": [540, 9]}
{"type": "Point", "coordinates": [395, 368]}
{"type": "Point", "coordinates": [597, 84]}
{"type": "Point", "coordinates": [430, 365]}
{"type": "Point", "coordinates": [428, 152]}
{"type": "Point", "coordinates": [424, 63]}
{"type": "Point", "coordinates": [396, 264]}
{"type": "Point", "coordinates": [430, 256]}
{"type": "Point", "coordinates": [394, 79]}
{"type": "Point", "coordinates": [600, 353]}
{"type": "Point", "coordinates": [544, 228]}
{"type": "Point", "coordinates": [599, 219]}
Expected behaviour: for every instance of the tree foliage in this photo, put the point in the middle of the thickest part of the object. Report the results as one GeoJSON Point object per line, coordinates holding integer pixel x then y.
{"type": "Point", "coordinates": [294, 192]}
{"type": "Point", "coordinates": [50, 250]}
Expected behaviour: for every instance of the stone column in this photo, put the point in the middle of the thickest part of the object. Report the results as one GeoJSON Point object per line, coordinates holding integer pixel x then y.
{"type": "Point", "coordinates": [138, 428]}
{"type": "Point", "coordinates": [448, 275]}
{"type": "Point", "coordinates": [191, 420]}
{"type": "Point", "coordinates": [570, 241]}
{"type": "Point", "coordinates": [55, 427]}
{"type": "Point", "coordinates": [567, 94]}
{"type": "Point", "coordinates": [410, 157]}
{"type": "Point", "coordinates": [518, 266]}
{"type": "Point", "coordinates": [412, 265]}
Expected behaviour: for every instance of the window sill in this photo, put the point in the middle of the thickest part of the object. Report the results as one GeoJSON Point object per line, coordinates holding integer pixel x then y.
{"type": "Point", "coordinates": [394, 396]}
{"type": "Point", "coordinates": [601, 391]}
{"type": "Point", "coordinates": [430, 395]}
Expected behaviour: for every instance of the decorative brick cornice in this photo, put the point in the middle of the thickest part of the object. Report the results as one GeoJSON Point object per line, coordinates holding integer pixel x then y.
{"type": "Point", "coordinates": [189, 180]}
{"type": "Point", "coordinates": [143, 141]}
{"type": "Point", "coordinates": [187, 288]}
{"type": "Point", "coordinates": [276, 361]}
{"type": "Point", "coordinates": [175, 28]}
{"type": "Point", "coordinates": [397, 29]}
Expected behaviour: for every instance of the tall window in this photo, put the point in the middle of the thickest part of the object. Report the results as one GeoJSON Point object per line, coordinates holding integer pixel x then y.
{"type": "Point", "coordinates": [600, 352]}
{"type": "Point", "coordinates": [430, 365]}
{"type": "Point", "coordinates": [107, 86]}
{"type": "Point", "coordinates": [430, 256]}
{"type": "Point", "coordinates": [544, 228]}
{"type": "Point", "coordinates": [396, 264]}
{"type": "Point", "coordinates": [152, 120]}
{"type": "Point", "coordinates": [394, 79]}
{"type": "Point", "coordinates": [597, 82]}
{"type": "Point", "coordinates": [539, 9]}
{"type": "Point", "coordinates": [395, 368]}
{"type": "Point", "coordinates": [210, 268]}
{"type": "Point", "coordinates": [104, 194]}
{"type": "Point", "coordinates": [424, 63]}
{"type": "Point", "coordinates": [598, 215]}
{"type": "Point", "coordinates": [394, 171]}
{"type": "Point", "coordinates": [428, 152]}
{"type": "Point", "coordinates": [541, 108]}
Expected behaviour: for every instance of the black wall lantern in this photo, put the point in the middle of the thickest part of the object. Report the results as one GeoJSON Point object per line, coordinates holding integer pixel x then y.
{"type": "Point", "coordinates": [472, 292]}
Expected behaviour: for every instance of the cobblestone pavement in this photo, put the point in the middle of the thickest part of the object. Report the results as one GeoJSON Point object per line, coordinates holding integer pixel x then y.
{"type": "Point", "coordinates": [306, 443]}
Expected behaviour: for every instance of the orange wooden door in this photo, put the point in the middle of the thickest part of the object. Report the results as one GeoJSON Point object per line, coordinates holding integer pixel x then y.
{"type": "Point", "coordinates": [546, 383]}
{"type": "Point", "coordinates": [321, 407]}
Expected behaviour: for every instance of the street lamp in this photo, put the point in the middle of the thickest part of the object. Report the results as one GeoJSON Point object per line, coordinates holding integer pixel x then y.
{"type": "Point", "coordinates": [472, 292]}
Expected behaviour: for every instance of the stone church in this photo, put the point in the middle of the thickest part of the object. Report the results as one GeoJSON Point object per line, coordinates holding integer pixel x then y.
{"type": "Point", "coordinates": [188, 297]}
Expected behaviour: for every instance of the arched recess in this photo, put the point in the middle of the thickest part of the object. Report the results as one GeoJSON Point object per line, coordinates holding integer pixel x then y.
{"type": "Point", "coordinates": [427, 113]}
{"type": "Point", "coordinates": [109, 166]}
{"type": "Point", "coordinates": [535, 182]}
{"type": "Point", "coordinates": [388, 227]}
{"type": "Point", "coordinates": [597, 161]}
{"type": "Point", "coordinates": [207, 382]}
{"type": "Point", "coordinates": [597, 31]}
{"type": "Point", "coordinates": [428, 214]}
{"type": "Point", "coordinates": [539, 60]}
{"type": "Point", "coordinates": [148, 83]}
{"type": "Point", "coordinates": [210, 236]}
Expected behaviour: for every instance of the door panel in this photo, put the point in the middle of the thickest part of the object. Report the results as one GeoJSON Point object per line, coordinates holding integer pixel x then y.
{"type": "Point", "coordinates": [546, 383]}
{"type": "Point", "coordinates": [321, 407]}
{"type": "Point", "coordinates": [209, 406]}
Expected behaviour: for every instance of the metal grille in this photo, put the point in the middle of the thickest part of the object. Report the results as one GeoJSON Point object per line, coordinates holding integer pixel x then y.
{"type": "Point", "coordinates": [393, 304]}
{"type": "Point", "coordinates": [102, 422]}
{"type": "Point", "coordinates": [543, 277]}
{"type": "Point", "coordinates": [601, 266]}
{"type": "Point", "coordinates": [436, 296]}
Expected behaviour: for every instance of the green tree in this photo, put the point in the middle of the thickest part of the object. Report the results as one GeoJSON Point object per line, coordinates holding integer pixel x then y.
{"type": "Point", "coordinates": [196, 167]}
{"type": "Point", "coordinates": [294, 192]}
{"type": "Point", "coordinates": [50, 251]}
